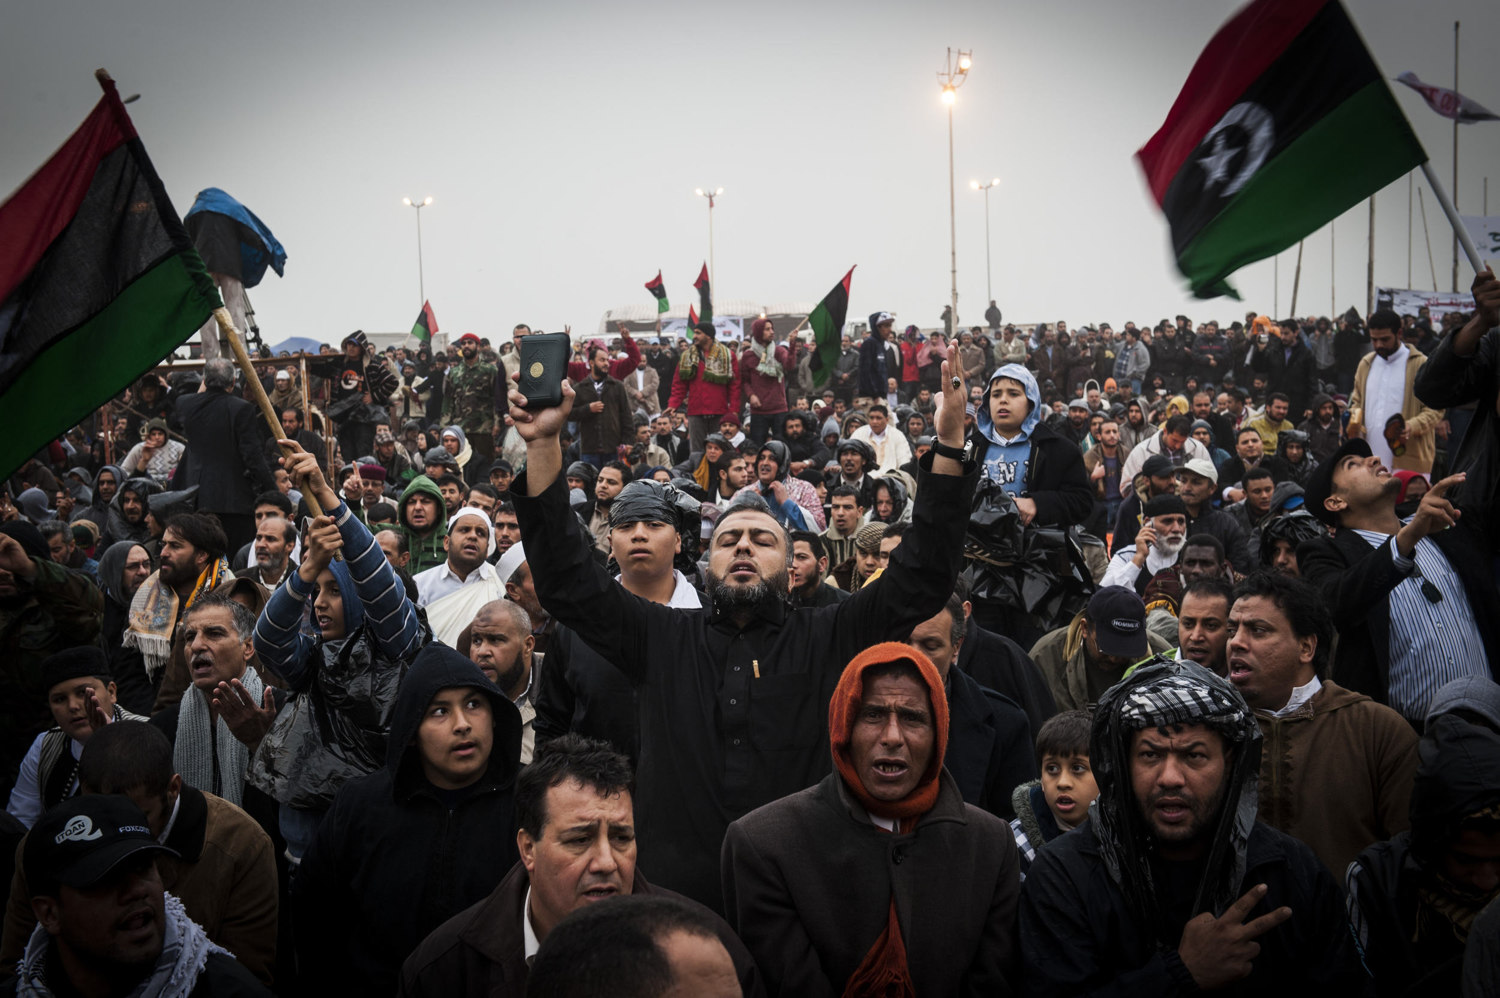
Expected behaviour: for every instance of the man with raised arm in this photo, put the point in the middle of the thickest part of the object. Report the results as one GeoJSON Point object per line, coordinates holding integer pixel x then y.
{"type": "Point", "coordinates": [734, 697]}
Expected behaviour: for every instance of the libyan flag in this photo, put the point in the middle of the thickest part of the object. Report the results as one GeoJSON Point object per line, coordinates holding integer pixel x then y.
{"type": "Point", "coordinates": [425, 325]}
{"type": "Point", "coordinates": [98, 281]}
{"type": "Point", "coordinates": [1284, 123]}
{"type": "Point", "coordinates": [705, 300]}
{"type": "Point", "coordinates": [827, 322]}
{"type": "Point", "coordinates": [659, 292]}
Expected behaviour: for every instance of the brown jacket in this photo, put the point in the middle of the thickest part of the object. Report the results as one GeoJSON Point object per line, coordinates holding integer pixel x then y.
{"type": "Point", "coordinates": [1421, 447]}
{"type": "Point", "coordinates": [1337, 773]}
{"type": "Point", "coordinates": [226, 879]}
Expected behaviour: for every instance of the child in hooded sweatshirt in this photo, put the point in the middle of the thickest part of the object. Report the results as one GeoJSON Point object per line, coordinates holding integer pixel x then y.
{"type": "Point", "coordinates": [1059, 801]}
{"type": "Point", "coordinates": [1042, 469]}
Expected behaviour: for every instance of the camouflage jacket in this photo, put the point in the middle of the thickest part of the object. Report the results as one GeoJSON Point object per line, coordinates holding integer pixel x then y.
{"type": "Point", "coordinates": [469, 398]}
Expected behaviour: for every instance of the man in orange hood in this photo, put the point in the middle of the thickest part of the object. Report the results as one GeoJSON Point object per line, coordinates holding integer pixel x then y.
{"type": "Point", "coordinates": [879, 880]}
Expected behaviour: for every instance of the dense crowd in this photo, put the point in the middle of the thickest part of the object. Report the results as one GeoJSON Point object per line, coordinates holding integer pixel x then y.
{"type": "Point", "coordinates": [1037, 660]}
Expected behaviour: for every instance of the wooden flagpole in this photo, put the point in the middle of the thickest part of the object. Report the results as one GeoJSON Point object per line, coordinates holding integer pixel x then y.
{"type": "Point", "coordinates": [232, 336]}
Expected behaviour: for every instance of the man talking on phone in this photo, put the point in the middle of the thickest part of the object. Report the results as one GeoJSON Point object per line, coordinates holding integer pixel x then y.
{"type": "Point", "coordinates": [733, 698]}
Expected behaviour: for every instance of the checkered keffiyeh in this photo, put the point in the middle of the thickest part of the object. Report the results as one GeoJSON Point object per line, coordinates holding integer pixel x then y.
{"type": "Point", "coordinates": [1164, 694]}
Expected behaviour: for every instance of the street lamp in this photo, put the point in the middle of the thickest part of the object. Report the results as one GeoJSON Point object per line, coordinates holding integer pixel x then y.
{"type": "Point", "coordinates": [952, 76]}
{"type": "Point", "coordinates": [989, 293]}
{"type": "Point", "coordinates": [711, 193]}
{"type": "Point", "coordinates": [419, 205]}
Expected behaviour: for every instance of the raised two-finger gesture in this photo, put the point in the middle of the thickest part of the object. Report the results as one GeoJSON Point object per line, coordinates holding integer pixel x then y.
{"type": "Point", "coordinates": [1220, 951]}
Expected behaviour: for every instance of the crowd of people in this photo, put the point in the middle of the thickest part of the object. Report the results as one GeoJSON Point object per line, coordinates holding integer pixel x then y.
{"type": "Point", "coordinates": [412, 695]}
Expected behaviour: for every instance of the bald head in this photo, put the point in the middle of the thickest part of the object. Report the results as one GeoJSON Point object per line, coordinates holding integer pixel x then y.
{"type": "Point", "coordinates": [500, 643]}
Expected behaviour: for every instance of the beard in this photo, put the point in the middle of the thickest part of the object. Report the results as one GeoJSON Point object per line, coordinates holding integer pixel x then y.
{"type": "Point", "coordinates": [1170, 547]}
{"type": "Point", "coordinates": [730, 598]}
{"type": "Point", "coordinates": [505, 678]}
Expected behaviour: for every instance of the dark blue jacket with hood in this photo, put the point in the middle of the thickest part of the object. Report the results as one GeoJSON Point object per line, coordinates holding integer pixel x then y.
{"type": "Point", "coordinates": [395, 856]}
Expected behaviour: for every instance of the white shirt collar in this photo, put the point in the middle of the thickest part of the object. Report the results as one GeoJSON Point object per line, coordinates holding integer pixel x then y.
{"type": "Point", "coordinates": [1300, 696]}
{"type": "Point", "coordinates": [171, 820]}
{"type": "Point", "coordinates": [484, 571]}
{"type": "Point", "coordinates": [529, 942]}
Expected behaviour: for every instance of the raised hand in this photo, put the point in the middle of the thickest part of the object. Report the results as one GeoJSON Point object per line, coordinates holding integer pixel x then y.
{"type": "Point", "coordinates": [539, 424]}
{"type": "Point", "coordinates": [323, 542]}
{"type": "Point", "coordinates": [246, 720]}
{"type": "Point", "coordinates": [1220, 951]}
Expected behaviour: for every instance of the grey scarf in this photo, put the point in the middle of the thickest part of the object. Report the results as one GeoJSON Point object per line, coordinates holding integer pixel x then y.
{"type": "Point", "coordinates": [184, 953]}
{"type": "Point", "coordinates": [201, 738]}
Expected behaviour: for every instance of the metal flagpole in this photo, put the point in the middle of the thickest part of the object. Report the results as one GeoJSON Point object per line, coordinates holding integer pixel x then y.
{"type": "Point", "coordinates": [1456, 225]}
{"type": "Point", "coordinates": [1296, 279]}
{"type": "Point", "coordinates": [1432, 264]}
{"type": "Point", "coordinates": [1410, 183]}
{"type": "Point", "coordinates": [1333, 275]}
{"type": "Point", "coordinates": [1370, 263]}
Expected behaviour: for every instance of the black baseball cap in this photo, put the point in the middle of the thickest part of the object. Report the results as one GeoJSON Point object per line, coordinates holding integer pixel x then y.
{"type": "Point", "coordinates": [78, 842]}
{"type": "Point", "coordinates": [1119, 620]}
{"type": "Point", "coordinates": [1320, 484]}
{"type": "Point", "coordinates": [1158, 466]}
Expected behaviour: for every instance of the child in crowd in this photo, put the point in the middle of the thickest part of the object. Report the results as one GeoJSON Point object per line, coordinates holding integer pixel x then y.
{"type": "Point", "coordinates": [1059, 801]}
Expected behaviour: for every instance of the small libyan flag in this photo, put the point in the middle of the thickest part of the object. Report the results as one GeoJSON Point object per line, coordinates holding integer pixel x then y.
{"type": "Point", "coordinates": [426, 324]}
{"type": "Point", "coordinates": [705, 300]}
{"type": "Point", "coordinates": [1241, 165]}
{"type": "Point", "coordinates": [659, 292]}
{"type": "Point", "coordinates": [827, 322]}
{"type": "Point", "coordinates": [692, 320]}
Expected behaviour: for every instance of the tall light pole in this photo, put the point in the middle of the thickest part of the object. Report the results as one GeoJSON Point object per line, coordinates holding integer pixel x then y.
{"type": "Point", "coordinates": [989, 293]}
{"type": "Point", "coordinates": [419, 205]}
{"type": "Point", "coordinates": [711, 193]}
{"type": "Point", "coordinates": [955, 71]}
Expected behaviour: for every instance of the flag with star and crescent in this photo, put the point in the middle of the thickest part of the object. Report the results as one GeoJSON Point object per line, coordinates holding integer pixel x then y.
{"type": "Point", "coordinates": [1284, 123]}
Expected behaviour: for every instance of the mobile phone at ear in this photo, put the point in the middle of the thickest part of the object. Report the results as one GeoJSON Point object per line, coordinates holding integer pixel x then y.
{"type": "Point", "coordinates": [544, 362]}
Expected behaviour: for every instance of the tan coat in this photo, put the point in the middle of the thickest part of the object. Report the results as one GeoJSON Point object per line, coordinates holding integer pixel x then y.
{"type": "Point", "coordinates": [1421, 448]}
{"type": "Point", "coordinates": [1337, 773]}
{"type": "Point", "coordinates": [1075, 684]}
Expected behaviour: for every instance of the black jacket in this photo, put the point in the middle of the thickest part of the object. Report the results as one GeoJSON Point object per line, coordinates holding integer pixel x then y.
{"type": "Point", "coordinates": [1356, 582]}
{"type": "Point", "coordinates": [1078, 935]}
{"type": "Point", "coordinates": [395, 856]}
{"type": "Point", "coordinates": [989, 745]}
{"type": "Point", "coordinates": [1455, 779]}
{"type": "Point", "coordinates": [481, 951]}
{"type": "Point", "coordinates": [577, 689]}
{"type": "Point", "coordinates": [870, 382]}
{"type": "Point", "coordinates": [734, 718]}
{"type": "Point", "coordinates": [1295, 375]}
{"type": "Point", "coordinates": [998, 663]}
{"type": "Point", "coordinates": [1447, 381]}
{"type": "Point", "coordinates": [225, 454]}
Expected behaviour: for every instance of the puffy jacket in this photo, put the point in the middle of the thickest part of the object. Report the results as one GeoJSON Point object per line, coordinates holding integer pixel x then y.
{"type": "Point", "coordinates": [426, 549]}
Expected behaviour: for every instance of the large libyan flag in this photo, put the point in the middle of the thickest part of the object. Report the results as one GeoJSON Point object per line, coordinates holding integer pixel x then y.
{"type": "Point", "coordinates": [1283, 124]}
{"type": "Point", "coordinates": [98, 281]}
{"type": "Point", "coordinates": [827, 322]}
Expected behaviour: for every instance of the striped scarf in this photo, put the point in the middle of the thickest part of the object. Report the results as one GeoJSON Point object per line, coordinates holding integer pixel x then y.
{"type": "Point", "coordinates": [154, 613]}
{"type": "Point", "coordinates": [718, 365]}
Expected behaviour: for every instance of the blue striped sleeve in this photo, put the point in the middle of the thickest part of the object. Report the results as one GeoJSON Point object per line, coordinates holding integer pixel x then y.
{"type": "Point", "coordinates": [279, 640]}
{"type": "Point", "coordinates": [392, 617]}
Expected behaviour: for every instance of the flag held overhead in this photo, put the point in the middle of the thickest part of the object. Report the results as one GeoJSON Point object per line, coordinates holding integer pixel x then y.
{"type": "Point", "coordinates": [1239, 166]}
{"type": "Point", "coordinates": [827, 322]}
{"type": "Point", "coordinates": [98, 281]}
{"type": "Point", "coordinates": [1448, 103]}
{"type": "Point", "coordinates": [659, 292]}
{"type": "Point", "coordinates": [231, 239]}
{"type": "Point", "coordinates": [705, 299]}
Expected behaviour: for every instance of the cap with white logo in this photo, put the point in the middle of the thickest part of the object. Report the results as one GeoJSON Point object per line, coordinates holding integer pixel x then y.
{"type": "Point", "coordinates": [81, 840]}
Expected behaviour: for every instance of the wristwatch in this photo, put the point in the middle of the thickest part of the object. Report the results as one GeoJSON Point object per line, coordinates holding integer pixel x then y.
{"type": "Point", "coordinates": [956, 453]}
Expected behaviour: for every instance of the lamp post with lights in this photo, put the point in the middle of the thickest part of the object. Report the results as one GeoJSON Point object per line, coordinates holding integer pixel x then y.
{"type": "Point", "coordinates": [419, 205]}
{"type": "Point", "coordinates": [711, 193]}
{"type": "Point", "coordinates": [955, 71]}
{"type": "Point", "coordinates": [989, 292]}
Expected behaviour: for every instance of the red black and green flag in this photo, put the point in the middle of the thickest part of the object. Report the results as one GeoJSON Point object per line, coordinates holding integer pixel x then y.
{"type": "Point", "coordinates": [426, 324]}
{"type": "Point", "coordinates": [705, 300]}
{"type": "Point", "coordinates": [98, 281]}
{"type": "Point", "coordinates": [827, 322]}
{"type": "Point", "coordinates": [692, 321]}
{"type": "Point", "coordinates": [1283, 124]}
{"type": "Point", "coordinates": [659, 292]}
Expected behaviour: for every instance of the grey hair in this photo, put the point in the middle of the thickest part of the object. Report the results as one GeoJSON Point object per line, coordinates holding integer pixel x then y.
{"type": "Point", "coordinates": [518, 616]}
{"type": "Point", "coordinates": [218, 374]}
{"type": "Point", "coordinates": [244, 618]}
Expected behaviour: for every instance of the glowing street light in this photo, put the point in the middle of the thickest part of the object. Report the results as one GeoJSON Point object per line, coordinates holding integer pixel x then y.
{"type": "Point", "coordinates": [989, 293]}
{"type": "Point", "coordinates": [952, 76]}
{"type": "Point", "coordinates": [419, 205]}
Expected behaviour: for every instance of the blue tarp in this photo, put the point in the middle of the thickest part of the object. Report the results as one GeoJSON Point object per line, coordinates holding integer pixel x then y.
{"type": "Point", "coordinates": [231, 239]}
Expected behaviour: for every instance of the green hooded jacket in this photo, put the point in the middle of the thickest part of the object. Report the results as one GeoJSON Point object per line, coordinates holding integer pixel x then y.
{"type": "Point", "coordinates": [426, 549]}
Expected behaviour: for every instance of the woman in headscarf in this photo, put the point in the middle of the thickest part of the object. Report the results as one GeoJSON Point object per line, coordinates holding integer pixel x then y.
{"type": "Point", "coordinates": [1291, 447]}
{"type": "Point", "coordinates": [122, 569]}
{"type": "Point", "coordinates": [879, 880]}
{"type": "Point", "coordinates": [455, 443]}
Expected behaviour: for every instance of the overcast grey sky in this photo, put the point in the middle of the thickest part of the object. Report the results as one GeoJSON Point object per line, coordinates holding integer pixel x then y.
{"type": "Point", "coordinates": [561, 143]}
